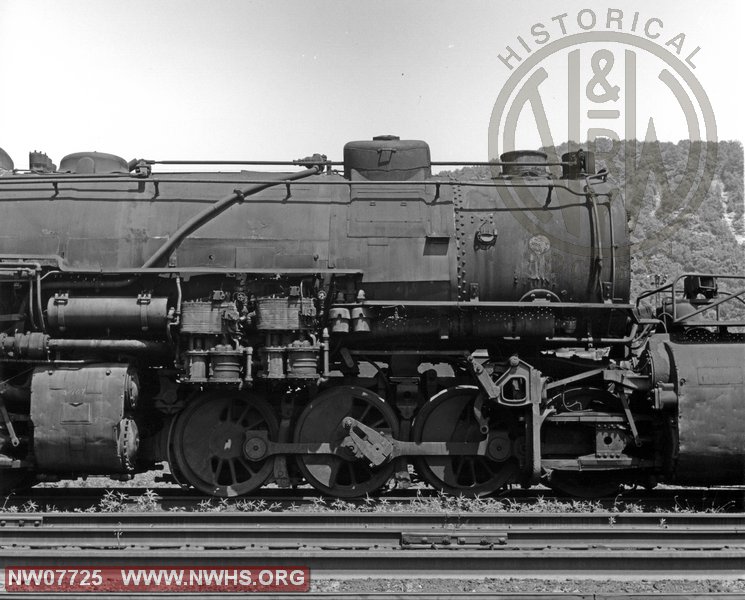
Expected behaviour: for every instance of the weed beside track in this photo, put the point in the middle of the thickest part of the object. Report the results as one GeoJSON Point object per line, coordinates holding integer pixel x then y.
{"type": "Point", "coordinates": [176, 500]}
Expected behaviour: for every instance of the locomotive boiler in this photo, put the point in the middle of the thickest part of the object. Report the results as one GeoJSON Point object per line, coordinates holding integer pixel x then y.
{"type": "Point", "coordinates": [351, 328]}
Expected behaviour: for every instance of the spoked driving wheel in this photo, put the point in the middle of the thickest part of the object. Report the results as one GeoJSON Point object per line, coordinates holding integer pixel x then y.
{"type": "Point", "coordinates": [345, 474]}
{"type": "Point", "coordinates": [207, 443]}
{"type": "Point", "coordinates": [449, 417]}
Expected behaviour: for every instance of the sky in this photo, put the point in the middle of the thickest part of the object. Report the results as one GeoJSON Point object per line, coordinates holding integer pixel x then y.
{"type": "Point", "coordinates": [282, 79]}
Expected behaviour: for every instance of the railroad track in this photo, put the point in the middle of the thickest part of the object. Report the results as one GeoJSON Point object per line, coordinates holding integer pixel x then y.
{"type": "Point", "coordinates": [400, 545]}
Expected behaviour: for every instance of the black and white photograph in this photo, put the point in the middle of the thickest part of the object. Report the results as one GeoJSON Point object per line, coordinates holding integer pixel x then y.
{"type": "Point", "coordinates": [372, 299]}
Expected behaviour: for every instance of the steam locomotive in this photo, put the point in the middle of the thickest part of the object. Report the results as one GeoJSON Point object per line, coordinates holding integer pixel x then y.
{"type": "Point", "coordinates": [352, 328]}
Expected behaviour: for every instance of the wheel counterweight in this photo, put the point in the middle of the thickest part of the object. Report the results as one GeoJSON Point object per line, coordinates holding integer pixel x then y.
{"type": "Point", "coordinates": [322, 421]}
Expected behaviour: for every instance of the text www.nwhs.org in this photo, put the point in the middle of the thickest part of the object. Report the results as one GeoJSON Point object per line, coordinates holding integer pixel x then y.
{"type": "Point", "coordinates": [158, 579]}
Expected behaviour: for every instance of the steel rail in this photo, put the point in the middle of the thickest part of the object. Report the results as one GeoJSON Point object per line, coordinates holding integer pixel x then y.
{"type": "Point", "coordinates": [401, 564]}
{"type": "Point", "coordinates": [251, 537]}
{"type": "Point", "coordinates": [350, 544]}
{"type": "Point", "coordinates": [331, 519]}
{"type": "Point", "coordinates": [611, 527]}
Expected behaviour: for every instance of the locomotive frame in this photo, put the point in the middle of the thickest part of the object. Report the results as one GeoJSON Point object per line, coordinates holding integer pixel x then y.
{"type": "Point", "coordinates": [358, 328]}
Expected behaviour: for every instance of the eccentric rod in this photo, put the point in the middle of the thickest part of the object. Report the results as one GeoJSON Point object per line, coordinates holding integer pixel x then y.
{"type": "Point", "coordinates": [160, 257]}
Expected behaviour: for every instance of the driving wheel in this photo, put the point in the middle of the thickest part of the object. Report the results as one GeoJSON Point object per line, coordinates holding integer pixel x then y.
{"type": "Point", "coordinates": [207, 443]}
{"type": "Point", "coordinates": [343, 474]}
{"type": "Point", "coordinates": [449, 417]}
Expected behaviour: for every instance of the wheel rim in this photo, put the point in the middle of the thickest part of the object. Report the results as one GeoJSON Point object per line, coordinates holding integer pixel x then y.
{"type": "Point", "coordinates": [449, 417]}
{"type": "Point", "coordinates": [321, 422]}
{"type": "Point", "coordinates": [208, 438]}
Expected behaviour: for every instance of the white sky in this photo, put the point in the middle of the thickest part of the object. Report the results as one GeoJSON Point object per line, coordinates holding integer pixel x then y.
{"type": "Point", "coordinates": [281, 79]}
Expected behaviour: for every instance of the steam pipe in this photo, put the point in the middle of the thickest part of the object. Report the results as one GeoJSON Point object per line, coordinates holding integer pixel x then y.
{"type": "Point", "coordinates": [39, 305]}
{"type": "Point", "coordinates": [86, 285]}
{"type": "Point", "coordinates": [179, 298]}
{"type": "Point", "coordinates": [336, 163]}
{"type": "Point", "coordinates": [31, 304]}
{"type": "Point", "coordinates": [107, 345]}
{"type": "Point", "coordinates": [161, 255]}
{"type": "Point", "coordinates": [37, 346]}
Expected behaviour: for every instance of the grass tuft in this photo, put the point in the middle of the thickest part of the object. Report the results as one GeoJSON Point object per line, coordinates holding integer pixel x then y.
{"type": "Point", "coordinates": [149, 501]}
